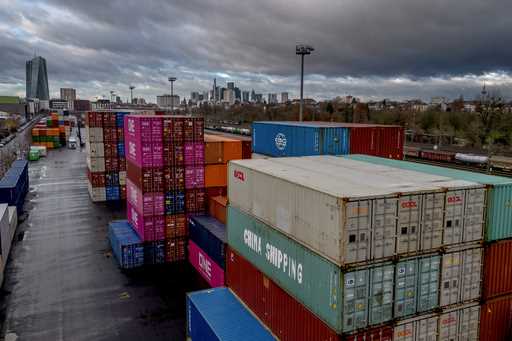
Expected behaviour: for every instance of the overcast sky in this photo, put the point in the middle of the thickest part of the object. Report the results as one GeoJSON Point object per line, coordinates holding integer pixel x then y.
{"type": "Point", "coordinates": [372, 49]}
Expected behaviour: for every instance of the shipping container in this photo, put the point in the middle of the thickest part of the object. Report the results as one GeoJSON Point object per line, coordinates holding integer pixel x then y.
{"type": "Point", "coordinates": [127, 247]}
{"type": "Point", "coordinates": [219, 149]}
{"type": "Point", "coordinates": [97, 194]}
{"type": "Point", "coordinates": [461, 276]}
{"type": "Point", "coordinates": [287, 318]}
{"type": "Point", "coordinates": [499, 193]}
{"type": "Point", "coordinates": [379, 140]}
{"type": "Point", "coordinates": [5, 231]}
{"type": "Point", "coordinates": [345, 299]}
{"type": "Point", "coordinates": [496, 320]}
{"type": "Point", "coordinates": [175, 249]}
{"type": "Point", "coordinates": [497, 269]}
{"type": "Point", "coordinates": [217, 207]}
{"type": "Point", "coordinates": [460, 323]}
{"type": "Point", "coordinates": [422, 328]}
{"type": "Point", "coordinates": [299, 138]}
{"type": "Point", "coordinates": [205, 266]}
{"type": "Point", "coordinates": [210, 235]}
{"type": "Point", "coordinates": [96, 164]}
{"type": "Point", "coordinates": [348, 211]}
{"type": "Point", "coordinates": [217, 315]}
{"type": "Point", "coordinates": [215, 175]}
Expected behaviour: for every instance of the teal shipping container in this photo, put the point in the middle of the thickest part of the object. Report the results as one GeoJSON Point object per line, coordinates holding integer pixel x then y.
{"type": "Point", "coordinates": [499, 194]}
{"type": "Point", "coordinates": [344, 299]}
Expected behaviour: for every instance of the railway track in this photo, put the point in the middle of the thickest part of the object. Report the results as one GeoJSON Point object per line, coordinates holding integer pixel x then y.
{"type": "Point", "coordinates": [461, 167]}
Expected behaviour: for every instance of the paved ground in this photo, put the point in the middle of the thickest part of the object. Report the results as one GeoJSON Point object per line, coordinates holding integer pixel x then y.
{"type": "Point", "coordinates": [62, 283]}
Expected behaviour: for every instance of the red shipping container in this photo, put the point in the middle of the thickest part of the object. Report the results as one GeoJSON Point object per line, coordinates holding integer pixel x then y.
{"type": "Point", "coordinates": [496, 320]}
{"type": "Point", "coordinates": [377, 140]}
{"type": "Point", "coordinates": [179, 178]}
{"type": "Point", "coordinates": [282, 314]}
{"type": "Point", "coordinates": [175, 249]}
{"type": "Point", "coordinates": [111, 164]}
{"type": "Point", "coordinates": [198, 129]}
{"type": "Point", "coordinates": [156, 129]}
{"type": "Point", "coordinates": [141, 177]}
{"type": "Point", "coordinates": [177, 128]}
{"type": "Point", "coordinates": [384, 333]}
{"type": "Point", "coordinates": [110, 134]}
{"type": "Point", "coordinates": [120, 134]}
{"type": "Point", "coordinates": [176, 226]}
{"type": "Point", "coordinates": [158, 179]}
{"type": "Point", "coordinates": [97, 179]}
{"type": "Point", "coordinates": [246, 149]}
{"type": "Point", "coordinates": [167, 130]}
{"type": "Point", "coordinates": [497, 269]}
{"type": "Point", "coordinates": [188, 129]}
{"type": "Point", "coordinates": [179, 155]}
{"type": "Point", "coordinates": [122, 188]}
{"type": "Point", "coordinates": [110, 149]}
{"type": "Point", "coordinates": [195, 200]}
{"type": "Point", "coordinates": [168, 155]}
{"type": "Point", "coordinates": [216, 191]}
{"type": "Point", "coordinates": [168, 179]}
{"type": "Point", "coordinates": [122, 164]}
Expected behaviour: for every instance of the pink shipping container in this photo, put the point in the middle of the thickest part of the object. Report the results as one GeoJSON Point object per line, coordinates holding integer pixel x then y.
{"type": "Point", "coordinates": [206, 267]}
{"type": "Point", "coordinates": [143, 203]}
{"type": "Point", "coordinates": [194, 153]}
{"type": "Point", "coordinates": [138, 127]}
{"type": "Point", "coordinates": [157, 154]}
{"type": "Point", "coordinates": [144, 226]}
{"type": "Point", "coordinates": [159, 223]}
{"type": "Point", "coordinates": [139, 153]}
{"type": "Point", "coordinates": [194, 177]}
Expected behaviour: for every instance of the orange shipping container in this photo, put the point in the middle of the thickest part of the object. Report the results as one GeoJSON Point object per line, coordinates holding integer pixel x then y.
{"type": "Point", "coordinates": [496, 320]}
{"type": "Point", "coordinates": [220, 149]}
{"type": "Point", "coordinates": [217, 208]}
{"type": "Point", "coordinates": [215, 175]}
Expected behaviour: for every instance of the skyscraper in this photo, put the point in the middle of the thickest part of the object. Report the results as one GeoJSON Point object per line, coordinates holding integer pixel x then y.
{"type": "Point", "coordinates": [37, 79]}
{"type": "Point", "coordinates": [69, 94]}
{"type": "Point", "coordinates": [284, 97]}
{"type": "Point", "coordinates": [245, 96]}
{"type": "Point", "coordinates": [231, 85]}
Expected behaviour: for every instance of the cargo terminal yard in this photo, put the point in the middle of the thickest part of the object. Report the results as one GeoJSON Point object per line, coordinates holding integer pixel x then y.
{"type": "Point", "coordinates": [157, 229]}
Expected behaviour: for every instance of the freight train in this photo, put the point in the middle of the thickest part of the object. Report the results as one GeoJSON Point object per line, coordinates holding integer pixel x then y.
{"type": "Point", "coordinates": [502, 163]}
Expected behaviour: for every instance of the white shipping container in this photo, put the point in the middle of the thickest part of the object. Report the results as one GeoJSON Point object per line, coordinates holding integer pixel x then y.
{"type": "Point", "coordinates": [13, 221]}
{"type": "Point", "coordinates": [122, 178]}
{"type": "Point", "coordinates": [5, 230]}
{"type": "Point", "coordinates": [346, 210]}
{"type": "Point", "coordinates": [461, 276]}
{"type": "Point", "coordinates": [424, 328]}
{"type": "Point", "coordinates": [94, 149]}
{"type": "Point", "coordinates": [462, 323]}
{"type": "Point", "coordinates": [97, 194]}
{"type": "Point", "coordinates": [94, 134]}
{"type": "Point", "coordinates": [96, 164]}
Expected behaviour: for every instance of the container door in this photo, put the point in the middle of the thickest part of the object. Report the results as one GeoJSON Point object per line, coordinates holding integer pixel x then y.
{"type": "Point", "coordinates": [448, 326]}
{"type": "Point", "coordinates": [469, 324]}
{"type": "Point", "coordinates": [454, 216]}
{"type": "Point", "coordinates": [432, 221]}
{"type": "Point", "coordinates": [450, 278]}
{"type": "Point", "coordinates": [428, 284]}
{"type": "Point", "coordinates": [474, 215]}
{"type": "Point", "coordinates": [358, 231]}
{"type": "Point", "coordinates": [471, 274]}
{"type": "Point", "coordinates": [405, 288]}
{"type": "Point", "coordinates": [405, 332]}
{"type": "Point", "coordinates": [384, 228]}
{"type": "Point", "coordinates": [408, 223]}
{"type": "Point", "coordinates": [334, 141]}
{"type": "Point", "coordinates": [427, 329]}
{"type": "Point", "coordinates": [381, 294]}
{"type": "Point", "coordinates": [355, 300]}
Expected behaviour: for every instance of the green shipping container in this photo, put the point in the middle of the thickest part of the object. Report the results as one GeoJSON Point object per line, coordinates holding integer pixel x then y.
{"type": "Point", "coordinates": [345, 301]}
{"type": "Point", "coordinates": [499, 194]}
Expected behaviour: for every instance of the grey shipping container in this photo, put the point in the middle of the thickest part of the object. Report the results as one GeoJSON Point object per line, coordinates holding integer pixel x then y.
{"type": "Point", "coordinates": [348, 211]}
{"type": "Point", "coordinates": [345, 299]}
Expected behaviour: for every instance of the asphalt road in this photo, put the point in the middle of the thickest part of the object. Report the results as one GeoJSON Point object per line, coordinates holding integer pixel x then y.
{"type": "Point", "coordinates": [61, 282]}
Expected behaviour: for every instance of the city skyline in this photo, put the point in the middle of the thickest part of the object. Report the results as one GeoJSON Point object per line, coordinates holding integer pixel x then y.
{"type": "Point", "coordinates": [422, 51]}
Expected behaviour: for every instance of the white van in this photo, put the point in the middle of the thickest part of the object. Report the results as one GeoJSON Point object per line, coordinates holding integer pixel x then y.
{"type": "Point", "coordinates": [72, 143]}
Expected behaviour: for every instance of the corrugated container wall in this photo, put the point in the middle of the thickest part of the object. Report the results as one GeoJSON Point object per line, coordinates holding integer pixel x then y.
{"type": "Point", "coordinates": [497, 269]}
{"type": "Point", "coordinates": [299, 139]}
{"type": "Point", "coordinates": [288, 319]}
{"type": "Point", "coordinates": [213, 314]}
{"type": "Point", "coordinates": [499, 194]}
{"type": "Point", "coordinates": [496, 320]}
{"type": "Point", "coordinates": [387, 142]}
{"type": "Point", "coordinates": [320, 202]}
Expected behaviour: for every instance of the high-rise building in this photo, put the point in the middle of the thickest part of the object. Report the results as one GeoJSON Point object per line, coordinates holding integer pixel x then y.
{"type": "Point", "coordinates": [245, 96]}
{"type": "Point", "coordinates": [229, 96]}
{"type": "Point", "coordinates": [284, 97]}
{"type": "Point", "coordinates": [238, 94]}
{"type": "Point", "coordinates": [37, 79]}
{"type": "Point", "coordinates": [165, 101]}
{"type": "Point", "coordinates": [231, 85]}
{"type": "Point", "coordinates": [194, 96]}
{"type": "Point", "coordinates": [68, 94]}
{"type": "Point", "coordinates": [253, 96]}
{"type": "Point", "coordinates": [272, 98]}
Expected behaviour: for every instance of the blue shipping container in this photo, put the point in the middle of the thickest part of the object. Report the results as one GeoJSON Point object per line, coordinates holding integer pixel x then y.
{"type": "Point", "coordinates": [217, 315]}
{"type": "Point", "coordinates": [112, 193]}
{"type": "Point", "coordinates": [210, 235]}
{"type": "Point", "coordinates": [126, 245]}
{"type": "Point", "coordinates": [14, 185]}
{"type": "Point", "coordinates": [120, 149]}
{"type": "Point", "coordinates": [120, 119]}
{"type": "Point", "coordinates": [174, 202]}
{"type": "Point", "coordinates": [111, 179]}
{"type": "Point", "coordinates": [299, 138]}
{"type": "Point", "coordinates": [154, 252]}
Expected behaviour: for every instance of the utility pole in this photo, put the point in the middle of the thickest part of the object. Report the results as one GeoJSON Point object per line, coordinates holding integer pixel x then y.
{"type": "Point", "coordinates": [302, 50]}
{"type": "Point", "coordinates": [172, 80]}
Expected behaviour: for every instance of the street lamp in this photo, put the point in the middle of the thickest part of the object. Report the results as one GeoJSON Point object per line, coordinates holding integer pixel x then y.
{"type": "Point", "coordinates": [302, 50]}
{"type": "Point", "coordinates": [172, 80]}
{"type": "Point", "coordinates": [131, 93]}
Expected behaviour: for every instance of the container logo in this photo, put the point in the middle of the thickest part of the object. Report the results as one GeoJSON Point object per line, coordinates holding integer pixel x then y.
{"type": "Point", "coordinates": [454, 199]}
{"type": "Point", "coordinates": [409, 204]}
{"type": "Point", "coordinates": [131, 125]}
{"type": "Point", "coordinates": [205, 265]}
{"type": "Point", "coordinates": [131, 149]}
{"type": "Point", "coordinates": [280, 141]}
{"type": "Point", "coordinates": [239, 175]}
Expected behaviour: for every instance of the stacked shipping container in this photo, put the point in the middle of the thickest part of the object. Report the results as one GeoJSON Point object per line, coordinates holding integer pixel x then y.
{"type": "Point", "coordinates": [497, 258]}
{"type": "Point", "coordinates": [278, 139]}
{"type": "Point", "coordinates": [106, 161]}
{"type": "Point", "coordinates": [402, 245]}
{"type": "Point", "coordinates": [165, 181]}
{"type": "Point", "coordinates": [52, 132]}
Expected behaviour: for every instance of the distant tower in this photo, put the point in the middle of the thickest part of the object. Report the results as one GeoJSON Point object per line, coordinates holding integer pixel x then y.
{"type": "Point", "coordinates": [37, 79]}
{"type": "Point", "coordinates": [214, 90]}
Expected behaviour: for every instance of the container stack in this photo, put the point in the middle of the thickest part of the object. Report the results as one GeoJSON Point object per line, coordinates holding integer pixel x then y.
{"type": "Point", "coordinates": [105, 153]}
{"type": "Point", "coordinates": [278, 139]}
{"type": "Point", "coordinates": [165, 181]}
{"type": "Point", "coordinates": [52, 132]}
{"type": "Point", "coordinates": [496, 316]}
{"type": "Point", "coordinates": [126, 245]}
{"type": "Point", "coordinates": [14, 185]}
{"type": "Point", "coordinates": [343, 248]}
